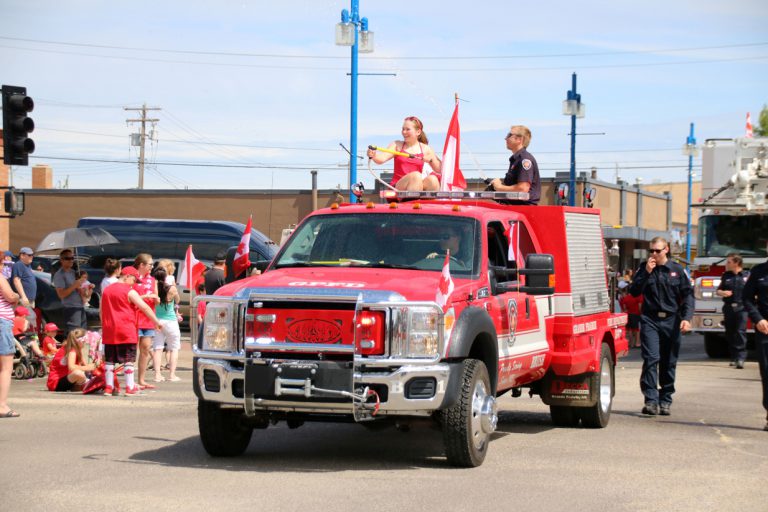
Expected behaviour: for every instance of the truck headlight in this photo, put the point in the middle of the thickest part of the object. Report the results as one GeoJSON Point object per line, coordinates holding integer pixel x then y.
{"type": "Point", "coordinates": [218, 327]}
{"type": "Point", "coordinates": [705, 287]}
{"type": "Point", "coordinates": [416, 332]}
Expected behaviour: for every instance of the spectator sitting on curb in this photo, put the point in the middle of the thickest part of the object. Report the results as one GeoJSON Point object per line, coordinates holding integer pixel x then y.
{"type": "Point", "coordinates": [67, 371]}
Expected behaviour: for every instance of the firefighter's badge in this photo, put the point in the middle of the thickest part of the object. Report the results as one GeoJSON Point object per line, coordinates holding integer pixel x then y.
{"type": "Point", "coordinates": [527, 164]}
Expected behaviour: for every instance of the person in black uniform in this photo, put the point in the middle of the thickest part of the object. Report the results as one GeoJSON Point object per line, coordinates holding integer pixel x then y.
{"type": "Point", "coordinates": [667, 311]}
{"type": "Point", "coordinates": [755, 299]}
{"type": "Point", "coordinates": [523, 173]}
{"type": "Point", "coordinates": [734, 314]}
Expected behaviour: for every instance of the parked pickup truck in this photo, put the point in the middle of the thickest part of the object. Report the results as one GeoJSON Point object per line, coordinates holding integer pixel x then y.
{"type": "Point", "coordinates": [426, 308]}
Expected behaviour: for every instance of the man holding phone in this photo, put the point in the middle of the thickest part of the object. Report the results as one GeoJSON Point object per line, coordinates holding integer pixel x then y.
{"type": "Point", "coordinates": [666, 314]}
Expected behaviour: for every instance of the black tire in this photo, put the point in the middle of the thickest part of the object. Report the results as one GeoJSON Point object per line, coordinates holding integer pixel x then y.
{"type": "Point", "coordinates": [29, 371]}
{"type": "Point", "coordinates": [564, 416]}
{"type": "Point", "coordinates": [222, 431]}
{"type": "Point", "coordinates": [19, 371]}
{"type": "Point", "coordinates": [716, 346]}
{"type": "Point", "coordinates": [599, 414]}
{"type": "Point", "coordinates": [42, 371]}
{"type": "Point", "coordinates": [464, 435]}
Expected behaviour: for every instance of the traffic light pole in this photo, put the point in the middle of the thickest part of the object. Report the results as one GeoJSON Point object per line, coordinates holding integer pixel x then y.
{"type": "Point", "coordinates": [142, 137]}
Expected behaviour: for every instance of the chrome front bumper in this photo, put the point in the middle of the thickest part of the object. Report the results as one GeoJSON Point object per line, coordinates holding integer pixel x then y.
{"type": "Point", "coordinates": [231, 390]}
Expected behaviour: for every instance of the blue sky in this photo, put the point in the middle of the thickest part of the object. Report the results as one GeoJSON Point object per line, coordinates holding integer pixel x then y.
{"type": "Point", "coordinates": [261, 84]}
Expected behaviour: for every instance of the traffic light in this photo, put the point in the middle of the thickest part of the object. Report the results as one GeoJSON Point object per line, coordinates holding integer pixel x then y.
{"type": "Point", "coordinates": [16, 125]}
{"type": "Point", "coordinates": [13, 202]}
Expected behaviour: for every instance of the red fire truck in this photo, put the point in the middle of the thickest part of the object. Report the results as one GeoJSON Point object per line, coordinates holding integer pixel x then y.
{"type": "Point", "coordinates": [345, 325]}
{"type": "Point", "coordinates": [734, 219]}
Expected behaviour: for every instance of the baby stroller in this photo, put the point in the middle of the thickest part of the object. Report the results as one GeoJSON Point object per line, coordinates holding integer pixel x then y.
{"type": "Point", "coordinates": [26, 364]}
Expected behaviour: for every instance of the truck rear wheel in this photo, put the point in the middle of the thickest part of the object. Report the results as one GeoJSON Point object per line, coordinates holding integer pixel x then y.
{"type": "Point", "coordinates": [222, 431]}
{"type": "Point", "coordinates": [715, 346]}
{"type": "Point", "coordinates": [564, 416]}
{"type": "Point", "coordinates": [468, 424]}
{"type": "Point", "coordinates": [598, 415]}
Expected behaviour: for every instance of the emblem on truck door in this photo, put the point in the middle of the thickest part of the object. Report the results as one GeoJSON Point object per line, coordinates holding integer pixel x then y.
{"type": "Point", "coordinates": [312, 330]}
{"type": "Point", "coordinates": [512, 318]}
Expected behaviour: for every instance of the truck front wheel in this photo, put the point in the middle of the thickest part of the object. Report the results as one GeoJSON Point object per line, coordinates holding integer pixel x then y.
{"type": "Point", "coordinates": [598, 415]}
{"type": "Point", "coordinates": [222, 431]}
{"type": "Point", "coordinates": [468, 424]}
{"type": "Point", "coordinates": [715, 345]}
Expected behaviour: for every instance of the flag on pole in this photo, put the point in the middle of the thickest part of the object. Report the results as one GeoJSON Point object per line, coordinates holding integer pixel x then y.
{"type": "Point", "coordinates": [445, 285]}
{"type": "Point", "coordinates": [191, 271]}
{"type": "Point", "coordinates": [749, 133]}
{"type": "Point", "coordinates": [241, 262]}
{"type": "Point", "coordinates": [452, 178]}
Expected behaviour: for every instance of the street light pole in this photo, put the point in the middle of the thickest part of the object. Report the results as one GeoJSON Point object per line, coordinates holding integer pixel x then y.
{"type": "Point", "coordinates": [572, 106]}
{"type": "Point", "coordinates": [690, 150]}
{"type": "Point", "coordinates": [349, 32]}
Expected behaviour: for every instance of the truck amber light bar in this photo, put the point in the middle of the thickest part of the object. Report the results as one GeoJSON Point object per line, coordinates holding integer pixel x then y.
{"type": "Point", "coordinates": [455, 194]}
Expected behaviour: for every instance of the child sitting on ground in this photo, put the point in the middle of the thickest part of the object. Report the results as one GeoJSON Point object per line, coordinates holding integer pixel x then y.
{"type": "Point", "coordinates": [67, 371]}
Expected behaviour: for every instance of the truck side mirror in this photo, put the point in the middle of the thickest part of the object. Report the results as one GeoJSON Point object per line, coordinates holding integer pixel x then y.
{"type": "Point", "coordinates": [539, 271]}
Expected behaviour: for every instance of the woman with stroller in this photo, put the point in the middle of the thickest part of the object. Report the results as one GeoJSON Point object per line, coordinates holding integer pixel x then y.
{"type": "Point", "coordinates": [8, 298]}
{"type": "Point", "coordinates": [169, 337]}
{"type": "Point", "coordinates": [67, 370]}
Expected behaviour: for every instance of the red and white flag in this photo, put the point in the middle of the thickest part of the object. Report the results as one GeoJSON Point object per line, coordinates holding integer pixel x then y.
{"type": "Point", "coordinates": [513, 235]}
{"type": "Point", "coordinates": [749, 133]}
{"type": "Point", "coordinates": [445, 286]}
{"type": "Point", "coordinates": [191, 271]}
{"type": "Point", "coordinates": [241, 262]}
{"type": "Point", "coordinates": [452, 178]}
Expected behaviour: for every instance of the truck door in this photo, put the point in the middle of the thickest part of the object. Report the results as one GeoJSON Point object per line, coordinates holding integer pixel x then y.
{"type": "Point", "coordinates": [521, 341]}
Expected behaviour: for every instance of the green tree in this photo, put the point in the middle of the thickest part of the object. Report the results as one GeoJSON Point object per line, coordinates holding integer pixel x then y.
{"type": "Point", "coordinates": [761, 129]}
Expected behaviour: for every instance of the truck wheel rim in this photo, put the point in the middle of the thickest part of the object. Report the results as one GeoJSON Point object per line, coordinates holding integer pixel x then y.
{"type": "Point", "coordinates": [605, 386]}
{"type": "Point", "coordinates": [484, 417]}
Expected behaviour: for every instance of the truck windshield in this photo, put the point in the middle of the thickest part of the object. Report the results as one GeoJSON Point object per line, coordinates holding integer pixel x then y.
{"type": "Point", "coordinates": [720, 235]}
{"type": "Point", "coordinates": [416, 242]}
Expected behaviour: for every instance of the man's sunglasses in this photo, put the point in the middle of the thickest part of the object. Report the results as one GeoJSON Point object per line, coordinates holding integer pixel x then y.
{"type": "Point", "coordinates": [654, 251]}
{"type": "Point", "coordinates": [67, 258]}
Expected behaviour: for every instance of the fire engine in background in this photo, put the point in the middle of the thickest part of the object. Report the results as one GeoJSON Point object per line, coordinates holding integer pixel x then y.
{"type": "Point", "coordinates": [345, 325]}
{"type": "Point", "coordinates": [734, 219]}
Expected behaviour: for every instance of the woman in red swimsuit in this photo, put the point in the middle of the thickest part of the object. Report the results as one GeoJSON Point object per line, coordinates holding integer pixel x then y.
{"type": "Point", "coordinates": [409, 172]}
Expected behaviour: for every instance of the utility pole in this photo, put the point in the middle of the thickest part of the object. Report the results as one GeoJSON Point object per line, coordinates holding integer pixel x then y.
{"type": "Point", "coordinates": [142, 136]}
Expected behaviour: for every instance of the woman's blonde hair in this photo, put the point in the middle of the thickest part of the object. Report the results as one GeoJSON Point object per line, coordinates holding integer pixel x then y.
{"type": "Point", "coordinates": [167, 265]}
{"type": "Point", "coordinates": [74, 337]}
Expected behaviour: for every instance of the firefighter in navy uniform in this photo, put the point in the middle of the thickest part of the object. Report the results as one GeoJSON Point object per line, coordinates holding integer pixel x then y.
{"type": "Point", "coordinates": [523, 173]}
{"type": "Point", "coordinates": [756, 303]}
{"type": "Point", "coordinates": [667, 311]}
{"type": "Point", "coordinates": [730, 289]}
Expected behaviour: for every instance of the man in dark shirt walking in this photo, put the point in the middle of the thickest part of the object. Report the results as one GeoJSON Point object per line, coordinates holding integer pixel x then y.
{"type": "Point", "coordinates": [215, 276]}
{"type": "Point", "coordinates": [667, 311]}
{"type": "Point", "coordinates": [523, 173]}
{"type": "Point", "coordinates": [734, 314]}
{"type": "Point", "coordinates": [756, 303]}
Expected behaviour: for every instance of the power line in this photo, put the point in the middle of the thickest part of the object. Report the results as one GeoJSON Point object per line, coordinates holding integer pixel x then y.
{"type": "Point", "coordinates": [372, 57]}
{"type": "Point", "coordinates": [318, 68]}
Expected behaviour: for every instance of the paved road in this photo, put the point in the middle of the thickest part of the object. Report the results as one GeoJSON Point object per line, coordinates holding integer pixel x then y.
{"type": "Point", "coordinates": [74, 452]}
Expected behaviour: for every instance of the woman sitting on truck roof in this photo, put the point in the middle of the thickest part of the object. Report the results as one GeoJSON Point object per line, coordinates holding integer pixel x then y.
{"type": "Point", "coordinates": [409, 169]}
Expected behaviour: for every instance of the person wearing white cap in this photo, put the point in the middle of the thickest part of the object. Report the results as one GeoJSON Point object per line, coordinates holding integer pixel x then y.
{"type": "Point", "coordinates": [23, 282]}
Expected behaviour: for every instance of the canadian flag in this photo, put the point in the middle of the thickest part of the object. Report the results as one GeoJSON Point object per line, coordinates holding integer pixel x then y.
{"type": "Point", "coordinates": [445, 286]}
{"type": "Point", "coordinates": [191, 271]}
{"type": "Point", "coordinates": [241, 262]}
{"type": "Point", "coordinates": [749, 133]}
{"type": "Point", "coordinates": [513, 235]}
{"type": "Point", "coordinates": [452, 178]}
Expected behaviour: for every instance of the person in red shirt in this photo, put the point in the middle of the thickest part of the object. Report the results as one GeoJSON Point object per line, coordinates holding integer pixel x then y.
{"type": "Point", "coordinates": [67, 370]}
{"type": "Point", "coordinates": [632, 306]}
{"type": "Point", "coordinates": [146, 287]}
{"type": "Point", "coordinates": [22, 329]}
{"type": "Point", "coordinates": [49, 342]}
{"type": "Point", "coordinates": [120, 305]}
